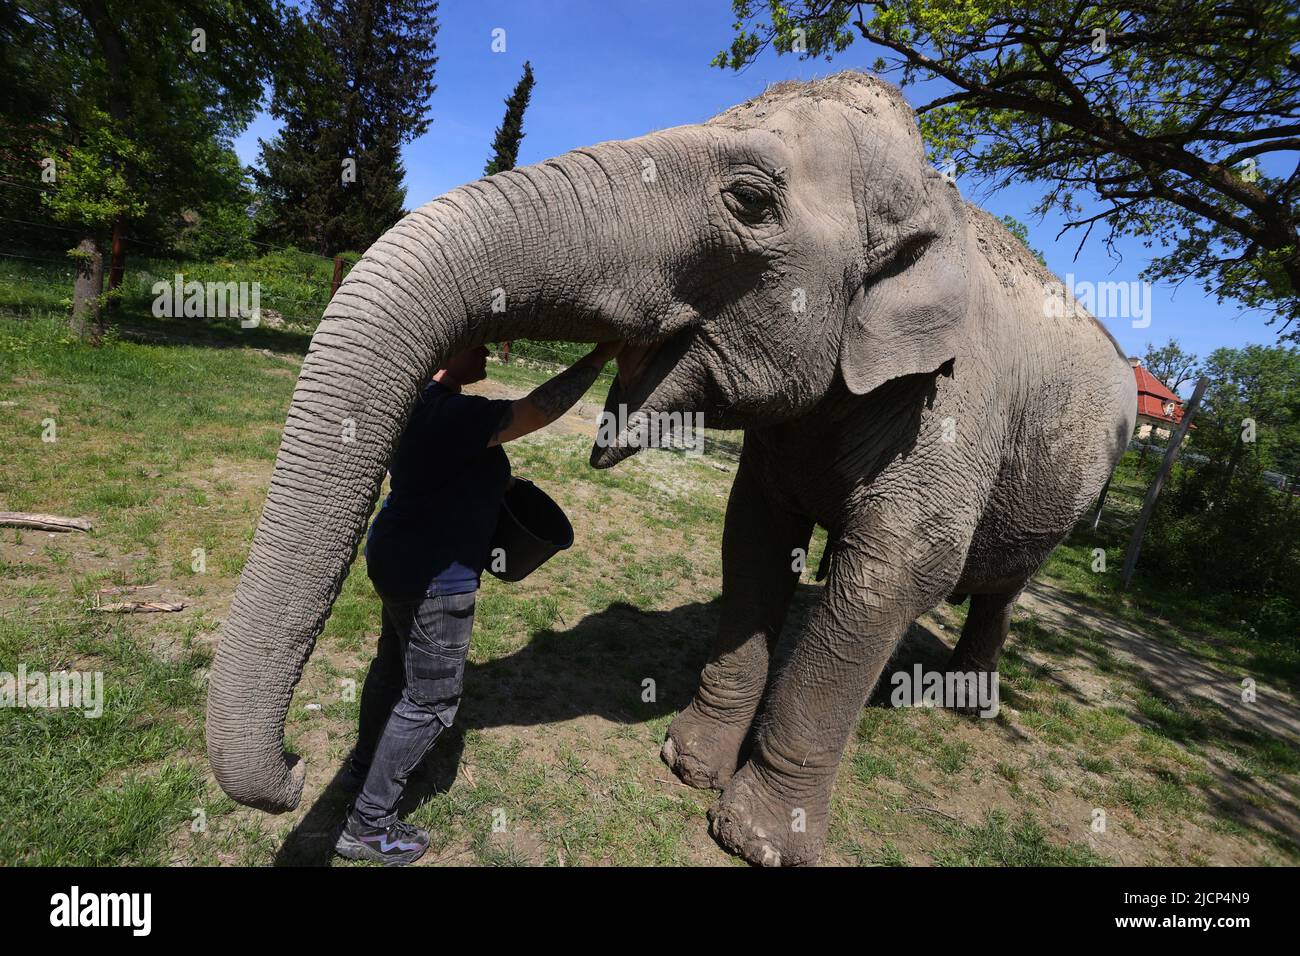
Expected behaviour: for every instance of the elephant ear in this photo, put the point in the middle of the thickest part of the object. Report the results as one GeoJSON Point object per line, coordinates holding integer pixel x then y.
{"type": "Point", "coordinates": [910, 312]}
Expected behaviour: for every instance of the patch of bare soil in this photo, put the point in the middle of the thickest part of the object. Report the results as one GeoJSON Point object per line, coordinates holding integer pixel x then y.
{"type": "Point", "coordinates": [1176, 673]}
{"type": "Point", "coordinates": [579, 420]}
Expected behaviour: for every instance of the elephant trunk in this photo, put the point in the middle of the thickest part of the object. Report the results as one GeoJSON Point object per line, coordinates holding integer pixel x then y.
{"type": "Point", "coordinates": [450, 275]}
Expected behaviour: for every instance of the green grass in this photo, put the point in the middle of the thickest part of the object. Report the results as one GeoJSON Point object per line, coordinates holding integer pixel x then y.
{"type": "Point", "coordinates": [997, 842]}
{"type": "Point", "coordinates": [166, 436]}
{"type": "Point", "coordinates": [158, 433]}
{"type": "Point", "coordinates": [1208, 625]}
{"type": "Point", "coordinates": [138, 427]}
{"type": "Point", "coordinates": [98, 790]}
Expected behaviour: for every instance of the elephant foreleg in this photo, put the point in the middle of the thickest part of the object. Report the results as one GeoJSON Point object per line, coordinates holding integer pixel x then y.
{"type": "Point", "coordinates": [776, 808]}
{"type": "Point", "coordinates": [758, 578]}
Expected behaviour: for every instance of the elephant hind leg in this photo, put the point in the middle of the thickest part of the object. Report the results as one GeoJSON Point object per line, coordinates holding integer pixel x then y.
{"type": "Point", "coordinates": [984, 633]}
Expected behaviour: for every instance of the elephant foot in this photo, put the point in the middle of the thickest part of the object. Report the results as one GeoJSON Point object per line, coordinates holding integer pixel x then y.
{"type": "Point", "coordinates": [703, 753]}
{"type": "Point", "coordinates": [966, 664]}
{"type": "Point", "coordinates": [767, 830]}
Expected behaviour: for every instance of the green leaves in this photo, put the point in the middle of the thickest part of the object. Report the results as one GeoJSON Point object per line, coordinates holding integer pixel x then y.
{"type": "Point", "coordinates": [357, 90]}
{"type": "Point", "coordinates": [91, 190]}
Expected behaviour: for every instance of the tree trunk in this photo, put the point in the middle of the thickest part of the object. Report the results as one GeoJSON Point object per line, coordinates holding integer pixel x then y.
{"type": "Point", "coordinates": [337, 280]}
{"type": "Point", "coordinates": [1101, 498]}
{"type": "Point", "coordinates": [112, 43]}
{"type": "Point", "coordinates": [86, 322]}
{"type": "Point", "coordinates": [117, 270]}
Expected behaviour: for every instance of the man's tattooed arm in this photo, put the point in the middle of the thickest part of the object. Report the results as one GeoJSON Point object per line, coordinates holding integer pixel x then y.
{"type": "Point", "coordinates": [503, 426]}
{"type": "Point", "coordinates": [555, 397]}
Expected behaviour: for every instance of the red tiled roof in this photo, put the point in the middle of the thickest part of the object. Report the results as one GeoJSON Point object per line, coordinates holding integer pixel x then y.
{"type": "Point", "coordinates": [1151, 385]}
{"type": "Point", "coordinates": [1154, 399]}
{"type": "Point", "coordinates": [1152, 407]}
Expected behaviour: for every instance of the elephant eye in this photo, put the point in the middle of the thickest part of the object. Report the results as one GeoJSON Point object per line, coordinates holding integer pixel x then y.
{"type": "Point", "coordinates": [748, 201]}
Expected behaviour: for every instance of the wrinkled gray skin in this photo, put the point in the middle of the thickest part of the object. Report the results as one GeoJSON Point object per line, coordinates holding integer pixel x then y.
{"type": "Point", "coordinates": [923, 321]}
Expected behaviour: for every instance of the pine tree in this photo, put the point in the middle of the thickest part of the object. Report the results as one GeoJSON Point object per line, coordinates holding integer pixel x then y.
{"type": "Point", "coordinates": [332, 178]}
{"type": "Point", "coordinates": [505, 146]}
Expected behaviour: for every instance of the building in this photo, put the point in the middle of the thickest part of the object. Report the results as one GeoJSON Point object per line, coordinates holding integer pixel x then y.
{"type": "Point", "coordinates": [1159, 410]}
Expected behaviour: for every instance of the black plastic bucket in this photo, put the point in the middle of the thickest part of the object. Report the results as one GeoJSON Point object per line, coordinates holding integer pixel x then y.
{"type": "Point", "coordinates": [531, 529]}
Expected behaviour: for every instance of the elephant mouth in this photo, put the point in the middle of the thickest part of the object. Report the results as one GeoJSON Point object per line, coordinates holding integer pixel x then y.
{"type": "Point", "coordinates": [633, 361]}
{"type": "Point", "coordinates": [643, 384]}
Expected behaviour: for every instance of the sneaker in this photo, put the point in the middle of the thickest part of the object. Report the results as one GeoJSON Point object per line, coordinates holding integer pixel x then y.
{"type": "Point", "coordinates": [396, 845]}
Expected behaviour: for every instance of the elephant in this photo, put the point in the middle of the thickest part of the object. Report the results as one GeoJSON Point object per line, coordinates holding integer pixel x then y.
{"type": "Point", "coordinates": [904, 374]}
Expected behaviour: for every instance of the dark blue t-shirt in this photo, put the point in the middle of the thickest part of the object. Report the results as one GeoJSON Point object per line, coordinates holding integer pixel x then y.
{"type": "Point", "coordinates": [432, 534]}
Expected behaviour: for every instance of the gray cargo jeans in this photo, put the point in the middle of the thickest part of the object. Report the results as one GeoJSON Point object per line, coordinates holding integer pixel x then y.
{"type": "Point", "coordinates": [410, 696]}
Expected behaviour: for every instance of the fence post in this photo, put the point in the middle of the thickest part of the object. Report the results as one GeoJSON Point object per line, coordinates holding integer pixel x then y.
{"type": "Point", "coordinates": [505, 351]}
{"type": "Point", "coordinates": [1101, 501]}
{"type": "Point", "coordinates": [338, 275]}
{"type": "Point", "coordinates": [1149, 505]}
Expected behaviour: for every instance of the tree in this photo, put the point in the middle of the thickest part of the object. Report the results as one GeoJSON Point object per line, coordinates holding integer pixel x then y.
{"type": "Point", "coordinates": [1253, 403]}
{"type": "Point", "coordinates": [1170, 364]}
{"type": "Point", "coordinates": [1226, 531]}
{"type": "Point", "coordinates": [332, 178]}
{"type": "Point", "coordinates": [114, 109]}
{"type": "Point", "coordinates": [93, 194]}
{"type": "Point", "coordinates": [505, 145]}
{"type": "Point", "coordinates": [220, 225]}
{"type": "Point", "coordinates": [1161, 112]}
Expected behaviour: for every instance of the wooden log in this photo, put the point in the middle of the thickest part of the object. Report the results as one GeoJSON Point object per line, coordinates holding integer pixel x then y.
{"type": "Point", "coordinates": [38, 522]}
{"type": "Point", "coordinates": [1149, 505]}
{"type": "Point", "coordinates": [137, 607]}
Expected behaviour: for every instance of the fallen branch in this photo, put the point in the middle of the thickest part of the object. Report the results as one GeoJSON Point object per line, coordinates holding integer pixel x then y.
{"type": "Point", "coordinates": [933, 810]}
{"type": "Point", "coordinates": [137, 607]}
{"type": "Point", "coordinates": [17, 519]}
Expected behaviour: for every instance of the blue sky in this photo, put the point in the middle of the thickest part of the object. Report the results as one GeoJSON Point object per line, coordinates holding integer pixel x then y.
{"type": "Point", "coordinates": [612, 69]}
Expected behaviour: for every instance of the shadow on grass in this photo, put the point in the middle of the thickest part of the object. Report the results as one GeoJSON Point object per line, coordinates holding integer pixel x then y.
{"type": "Point", "coordinates": [139, 326]}
{"type": "Point", "coordinates": [311, 843]}
{"type": "Point", "coordinates": [1239, 759]}
{"type": "Point", "coordinates": [599, 668]}
{"type": "Point", "coordinates": [596, 668]}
